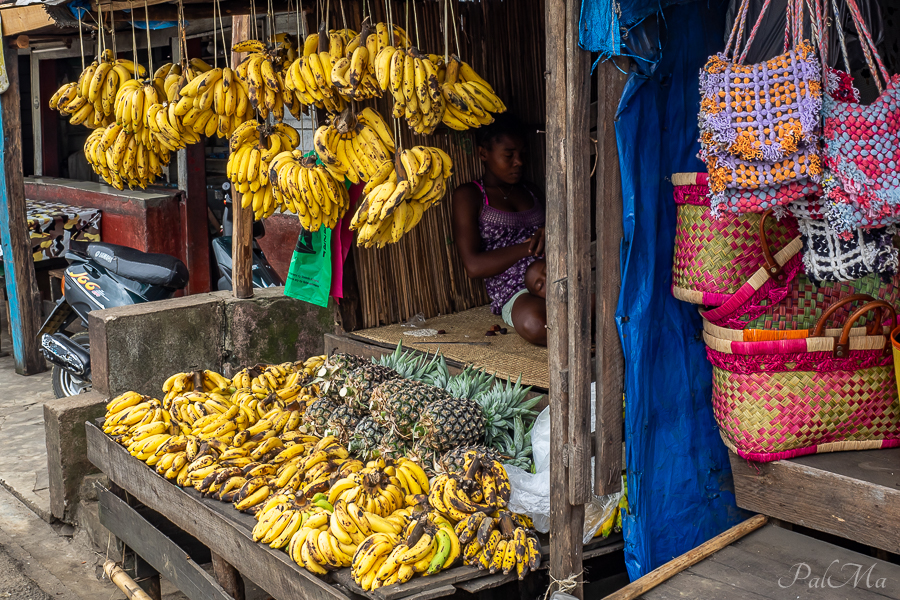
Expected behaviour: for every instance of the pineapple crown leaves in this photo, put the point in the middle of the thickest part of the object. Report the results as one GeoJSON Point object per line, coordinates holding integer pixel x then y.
{"type": "Point", "coordinates": [470, 383]}
{"type": "Point", "coordinates": [503, 404]}
{"type": "Point", "coordinates": [411, 365]}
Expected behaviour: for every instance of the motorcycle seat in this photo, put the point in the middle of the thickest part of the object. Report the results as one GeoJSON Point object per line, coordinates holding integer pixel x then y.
{"type": "Point", "coordinates": [143, 267]}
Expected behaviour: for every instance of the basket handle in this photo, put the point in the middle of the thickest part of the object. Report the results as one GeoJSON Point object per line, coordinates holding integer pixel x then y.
{"type": "Point", "coordinates": [820, 324]}
{"type": "Point", "coordinates": [842, 347]}
{"type": "Point", "coordinates": [772, 266]}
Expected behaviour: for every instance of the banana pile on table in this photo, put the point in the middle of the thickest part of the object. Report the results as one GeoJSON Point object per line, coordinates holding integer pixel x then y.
{"type": "Point", "coordinates": [253, 147]}
{"type": "Point", "coordinates": [397, 196]}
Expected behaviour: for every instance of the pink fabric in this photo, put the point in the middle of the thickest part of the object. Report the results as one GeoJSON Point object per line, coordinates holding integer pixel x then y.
{"type": "Point", "coordinates": [341, 240]}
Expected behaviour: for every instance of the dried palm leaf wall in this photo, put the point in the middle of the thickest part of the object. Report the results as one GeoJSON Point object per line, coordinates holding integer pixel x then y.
{"type": "Point", "coordinates": [504, 42]}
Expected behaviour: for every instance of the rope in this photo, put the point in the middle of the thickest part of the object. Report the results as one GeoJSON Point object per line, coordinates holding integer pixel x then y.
{"type": "Point", "coordinates": [112, 28]}
{"type": "Point", "coordinates": [149, 48]}
{"type": "Point", "coordinates": [455, 29]}
{"type": "Point", "coordinates": [840, 29]}
{"type": "Point", "coordinates": [134, 56]}
{"type": "Point", "coordinates": [446, 32]}
{"type": "Point", "coordinates": [861, 26]}
{"type": "Point", "coordinates": [81, 40]}
{"type": "Point", "coordinates": [752, 35]}
{"type": "Point", "coordinates": [215, 42]}
{"type": "Point", "coordinates": [416, 25]}
{"type": "Point", "coordinates": [563, 585]}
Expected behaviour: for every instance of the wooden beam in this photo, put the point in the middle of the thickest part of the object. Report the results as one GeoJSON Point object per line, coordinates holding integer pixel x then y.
{"type": "Point", "coordinates": [610, 362]}
{"type": "Point", "coordinates": [228, 577]}
{"type": "Point", "coordinates": [23, 19]}
{"type": "Point", "coordinates": [36, 129]}
{"type": "Point", "coordinates": [18, 262]}
{"type": "Point", "coordinates": [242, 237]}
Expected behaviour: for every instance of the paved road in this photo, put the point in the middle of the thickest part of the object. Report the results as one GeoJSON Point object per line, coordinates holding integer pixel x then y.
{"type": "Point", "coordinates": [14, 583]}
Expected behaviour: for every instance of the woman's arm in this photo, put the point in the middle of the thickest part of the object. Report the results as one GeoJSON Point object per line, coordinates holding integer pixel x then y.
{"type": "Point", "coordinates": [466, 206]}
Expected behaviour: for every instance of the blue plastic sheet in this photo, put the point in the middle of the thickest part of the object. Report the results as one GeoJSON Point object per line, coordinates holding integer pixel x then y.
{"type": "Point", "coordinates": [605, 24]}
{"type": "Point", "coordinates": [79, 8]}
{"type": "Point", "coordinates": [680, 490]}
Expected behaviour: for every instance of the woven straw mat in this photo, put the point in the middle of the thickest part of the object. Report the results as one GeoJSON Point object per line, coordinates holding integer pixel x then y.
{"type": "Point", "coordinates": [508, 356]}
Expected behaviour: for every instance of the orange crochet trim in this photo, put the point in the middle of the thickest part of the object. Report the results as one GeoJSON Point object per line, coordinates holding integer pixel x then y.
{"type": "Point", "coordinates": [746, 146]}
{"type": "Point", "coordinates": [709, 105]}
{"type": "Point", "coordinates": [715, 65]}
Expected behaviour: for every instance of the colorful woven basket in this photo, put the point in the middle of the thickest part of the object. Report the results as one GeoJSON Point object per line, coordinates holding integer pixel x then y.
{"type": "Point", "coordinates": [714, 257]}
{"type": "Point", "coordinates": [783, 398]}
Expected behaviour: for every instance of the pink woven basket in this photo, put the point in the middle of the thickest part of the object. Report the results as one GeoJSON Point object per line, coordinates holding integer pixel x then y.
{"type": "Point", "coordinates": [716, 258]}
{"type": "Point", "coordinates": [784, 398]}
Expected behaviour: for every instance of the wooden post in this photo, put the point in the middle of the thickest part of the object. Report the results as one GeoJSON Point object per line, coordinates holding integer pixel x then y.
{"type": "Point", "coordinates": [242, 237]}
{"type": "Point", "coordinates": [192, 180]}
{"type": "Point", "coordinates": [18, 263]}
{"type": "Point", "coordinates": [568, 297]}
{"type": "Point", "coordinates": [610, 360]}
{"type": "Point", "coordinates": [36, 116]}
{"type": "Point", "coordinates": [49, 146]}
{"type": "Point", "coordinates": [228, 577]}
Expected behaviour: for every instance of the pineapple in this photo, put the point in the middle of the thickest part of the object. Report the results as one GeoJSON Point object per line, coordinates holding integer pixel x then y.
{"type": "Point", "coordinates": [359, 383]}
{"type": "Point", "coordinates": [500, 405]}
{"type": "Point", "coordinates": [317, 414]}
{"type": "Point", "coordinates": [448, 423]}
{"type": "Point", "coordinates": [397, 403]}
{"type": "Point", "coordinates": [470, 383]}
{"type": "Point", "coordinates": [366, 438]}
{"type": "Point", "coordinates": [334, 370]}
{"type": "Point", "coordinates": [392, 446]}
{"type": "Point", "coordinates": [342, 421]}
{"type": "Point", "coordinates": [410, 365]}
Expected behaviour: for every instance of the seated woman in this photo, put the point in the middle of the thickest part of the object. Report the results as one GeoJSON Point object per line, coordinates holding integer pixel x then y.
{"type": "Point", "coordinates": [498, 226]}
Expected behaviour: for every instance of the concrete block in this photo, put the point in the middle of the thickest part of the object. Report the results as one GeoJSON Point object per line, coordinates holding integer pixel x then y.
{"type": "Point", "coordinates": [138, 347]}
{"type": "Point", "coordinates": [67, 461]}
{"type": "Point", "coordinates": [272, 328]}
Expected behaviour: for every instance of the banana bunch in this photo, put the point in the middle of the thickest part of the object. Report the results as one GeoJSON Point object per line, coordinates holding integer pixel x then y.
{"type": "Point", "coordinates": [253, 147]}
{"type": "Point", "coordinates": [68, 102]}
{"type": "Point", "coordinates": [395, 199]}
{"type": "Point", "coordinates": [483, 487]}
{"type": "Point", "coordinates": [413, 80]}
{"type": "Point", "coordinates": [282, 516]}
{"type": "Point", "coordinates": [261, 74]}
{"type": "Point", "coordinates": [376, 488]}
{"type": "Point", "coordinates": [124, 158]}
{"type": "Point", "coordinates": [468, 98]}
{"type": "Point", "coordinates": [168, 128]}
{"type": "Point", "coordinates": [214, 103]}
{"type": "Point", "coordinates": [354, 146]}
{"type": "Point", "coordinates": [129, 410]}
{"type": "Point", "coordinates": [177, 384]}
{"type": "Point", "coordinates": [502, 544]}
{"type": "Point", "coordinates": [309, 469]}
{"type": "Point", "coordinates": [308, 77]}
{"type": "Point", "coordinates": [168, 78]}
{"type": "Point", "coordinates": [309, 190]}
{"type": "Point", "coordinates": [311, 365]}
{"type": "Point", "coordinates": [352, 74]}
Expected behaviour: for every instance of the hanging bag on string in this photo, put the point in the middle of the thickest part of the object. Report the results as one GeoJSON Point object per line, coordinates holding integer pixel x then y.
{"type": "Point", "coordinates": [759, 123]}
{"type": "Point", "coordinates": [862, 150]}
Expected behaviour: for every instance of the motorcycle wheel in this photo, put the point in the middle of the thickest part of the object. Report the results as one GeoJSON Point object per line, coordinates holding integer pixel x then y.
{"type": "Point", "coordinates": [64, 383]}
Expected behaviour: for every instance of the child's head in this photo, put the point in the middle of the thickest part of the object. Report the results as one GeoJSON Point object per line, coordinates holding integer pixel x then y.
{"type": "Point", "coordinates": [501, 147]}
{"type": "Point", "coordinates": [536, 278]}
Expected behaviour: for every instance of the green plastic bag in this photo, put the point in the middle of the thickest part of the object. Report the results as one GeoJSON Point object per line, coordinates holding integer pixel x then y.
{"type": "Point", "coordinates": [309, 278]}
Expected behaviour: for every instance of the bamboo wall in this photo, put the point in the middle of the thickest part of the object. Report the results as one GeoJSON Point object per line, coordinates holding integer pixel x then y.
{"type": "Point", "coordinates": [504, 42]}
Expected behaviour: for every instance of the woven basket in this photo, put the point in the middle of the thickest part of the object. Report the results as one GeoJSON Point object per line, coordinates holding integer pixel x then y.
{"type": "Point", "coordinates": [715, 258]}
{"type": "Point", "coordinates": [784, 398]}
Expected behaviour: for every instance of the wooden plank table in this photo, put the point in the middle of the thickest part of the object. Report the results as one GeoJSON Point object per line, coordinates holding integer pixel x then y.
{"type": "Point", "coordinates": [227, 533]}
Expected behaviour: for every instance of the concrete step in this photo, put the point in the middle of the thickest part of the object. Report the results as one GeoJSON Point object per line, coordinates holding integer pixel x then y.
{"type": "Point", "coordinates": [854, 495]}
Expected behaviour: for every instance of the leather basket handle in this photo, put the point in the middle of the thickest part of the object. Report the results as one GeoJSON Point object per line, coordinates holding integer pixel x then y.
{"type": "Point", "coordinates": [842, 347]}
{"type": "Point", "coordinates": [820, 324]}
{"type": "Point", "coordinates": [772, 266]}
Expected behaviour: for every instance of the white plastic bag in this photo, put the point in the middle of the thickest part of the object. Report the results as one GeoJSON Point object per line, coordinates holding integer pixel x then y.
{"type": "Point", "coordinates": [531, 491]}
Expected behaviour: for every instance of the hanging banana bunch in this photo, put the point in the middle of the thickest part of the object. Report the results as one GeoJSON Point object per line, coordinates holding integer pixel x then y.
{"type": "Point", "coordinates": [309, 77]}
{"type": "Point", "coordinates": [81, 112]}
{"type": "Point", "coordinates": [167, 78]}
{"type": "Point", "coordinates": [253, 147]}
{"type": "Point", "coordinates": [261, 72]}
{"type": "Point", "coordinates": [123, 157]}
{"type": "Point", "coordinates": [354, 146]}
{"type": "Point", "coordinates": [413, 80]}
{"type": "Point", "coordinates": [168, 128]}
{"type": "Point", "coordinates": [396, 198]}
{"type": "Point", "coordinates": [469, 99]}
{"type": "Point", "coordinates": [214, 103]}
{"type": "Point", "coordinates": [309, 190]}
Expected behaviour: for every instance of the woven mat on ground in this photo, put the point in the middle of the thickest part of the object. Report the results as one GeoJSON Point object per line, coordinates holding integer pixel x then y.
{"type": "Point", "coordinates": [507, 356]}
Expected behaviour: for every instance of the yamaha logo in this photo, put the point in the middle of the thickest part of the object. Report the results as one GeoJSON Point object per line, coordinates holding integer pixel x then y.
{"type": "Point", "coordinates": [104, 256]}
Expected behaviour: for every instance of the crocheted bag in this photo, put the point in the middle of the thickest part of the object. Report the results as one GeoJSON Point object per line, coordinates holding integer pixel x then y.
{"type": "Point", "coordinates": [828, 257]}
{"type": "Point", "coordinates": [765, 111]}
{"type": "Point", "coordinates": [824, 391]}
{"type": "Point", "coordinates": [714, 257]}
{"type": "Point", "coordinates": [862, 151]}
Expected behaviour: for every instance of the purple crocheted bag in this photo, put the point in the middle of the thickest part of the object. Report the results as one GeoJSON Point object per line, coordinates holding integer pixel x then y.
{"type": "Point", "coordinates": [766, 111]}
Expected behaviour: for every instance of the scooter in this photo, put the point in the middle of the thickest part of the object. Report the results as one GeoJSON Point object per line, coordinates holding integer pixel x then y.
{"type": "Point", "coordinates": [100, 276]}
{"type": "Point", "coordinates": [262, 273]}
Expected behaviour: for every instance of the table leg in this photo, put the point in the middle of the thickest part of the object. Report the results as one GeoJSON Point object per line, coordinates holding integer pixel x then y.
{"type": "Point", "coordinates": [228, 577]}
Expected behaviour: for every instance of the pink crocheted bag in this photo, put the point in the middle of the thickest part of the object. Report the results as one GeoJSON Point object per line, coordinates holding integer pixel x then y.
{"type": "Point", "coordinates": [822, 392]}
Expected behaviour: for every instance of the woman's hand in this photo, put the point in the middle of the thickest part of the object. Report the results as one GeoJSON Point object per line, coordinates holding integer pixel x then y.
{"type": "Point", "coordinates": [536, 243]}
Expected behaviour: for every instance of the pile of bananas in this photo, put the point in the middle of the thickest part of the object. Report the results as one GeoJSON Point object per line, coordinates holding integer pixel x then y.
{"type": "Point", "coordinates": [429, 546]}
{"type": "Point", "coordinates": [499, 544]}
{"type": "Point", "coordinates": [309, 190]}
{"type": "Point", "coordinates": [469, 99]}
{"type": "Point", "coordinates": [382, 488]}
{"type": "Point", "coordinates": [261, 72]}
{"type": "Point", "coordinates": [283, 515]}
{"type": "Point", "coordinates": [413, 80]}
{"type": "Point", "coordinates": [214, 102]}
{"type": "Point", "coordinates": [308, 77]}
{"type": "Point", "coordinates": [354, 146]}
{"type": "Point", "coordinates": [124, 158]}
{"type": "Point", "coordinates": [396, 197]}
{"type": "Point", "coordinates": [253, 146]}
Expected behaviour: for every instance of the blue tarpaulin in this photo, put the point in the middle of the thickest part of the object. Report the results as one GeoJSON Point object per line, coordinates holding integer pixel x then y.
{"type": "Point", "coordinates": [605, 24]}
{"type": "Point", "coordinates": [680, 490]}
